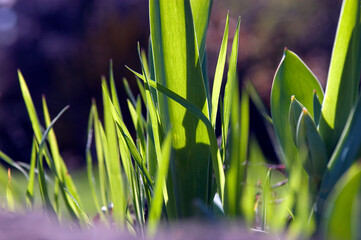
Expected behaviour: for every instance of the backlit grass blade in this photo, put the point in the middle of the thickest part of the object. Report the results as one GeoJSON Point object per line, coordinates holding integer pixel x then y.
{"type": "Point", "coordinates": [30, 184]}
{"type": "Point", "coordinates": [216, 156]}
{"type": "Point", "coordinates": [113, 90]}
{"type": "Point", "coordinates": [30, 107]}
{"type": "Point", "coordinates": [112, 161]}
{"type": "Point", "coordinates": [201, 10]}
{"type": "Point", "coordinates": [231, 83]}
{"type": "Point", "coordinates": [293, 77]}
{"type": "Point", "coordinates": [316, 108]}
{"type": "Point", "coordinates": [84, 215]}
{"type": "Point", "coordinates": [172, 27]}
{"type": "Point", "coordinates": [12, 163]}
{"type": "Point", "coordinates": [157, 203]}
{"type": "Point", "coordinates": [343, 76]}
{"type": "Point", "coordinates": [218, 76]}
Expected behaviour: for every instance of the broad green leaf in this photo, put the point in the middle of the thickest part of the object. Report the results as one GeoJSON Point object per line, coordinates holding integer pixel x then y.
{"type": "Point", "coordinates": [293, 77]}
{"type": "Point", "coordinates": [342, 219]}
{"type": "Point", "coordinates": [343, 76]}
{"type": "Point", "coordinates": [172, 27]}
{"type": "Point", "coordinates": [157, 203]}
{"type": "Point", "coordinates": [218, 75]}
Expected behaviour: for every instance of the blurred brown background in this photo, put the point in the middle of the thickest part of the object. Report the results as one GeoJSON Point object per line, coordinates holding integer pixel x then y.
{"type": "Point", "coordinates": [63, 48]}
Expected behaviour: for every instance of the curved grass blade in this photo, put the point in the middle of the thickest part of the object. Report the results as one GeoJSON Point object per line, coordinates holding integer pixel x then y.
{"type": "Point", "coordinates": [30, 185]}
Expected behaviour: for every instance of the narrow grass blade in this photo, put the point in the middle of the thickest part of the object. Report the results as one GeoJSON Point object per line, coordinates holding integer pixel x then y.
{"type": "Point", "coordinates": [157, 203]}
{"type": "Point", "coordinates": [111, 152]}
{"type": "Point", "coordinates": [231, 83]}
{"type": "Point", "coordinates": [201, 10]}
{"type": "Point", "coordinates": [129, 91]}
{"type": "Point", "coordinates": [218, 76]}
{"type": "Point", "coordinates": [343, 76]}
{"type": "Point", "coordinates": [30, 184]}
{"type": "Point", "coordinates": [293, 77]}
{"type": "Point", "coordinates": [30, 107]}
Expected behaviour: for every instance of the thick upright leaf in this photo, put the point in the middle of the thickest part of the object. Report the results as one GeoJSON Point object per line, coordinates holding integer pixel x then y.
{"type": "Point", "coordinates": [171, 27]}
{"type": "Point", "coordinates": [343, 76]}
{"type": "Point", "coordinates": [293, 77]}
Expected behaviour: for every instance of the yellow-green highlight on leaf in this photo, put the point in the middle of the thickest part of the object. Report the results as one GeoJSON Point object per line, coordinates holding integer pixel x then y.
{"type": "Point", "coordinates": [343, 76]}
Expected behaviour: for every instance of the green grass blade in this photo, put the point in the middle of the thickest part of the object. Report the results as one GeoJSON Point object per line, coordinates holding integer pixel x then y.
{"type": "Point", "coordinates": [30, 107]}
{"type": "Point", "coordinates": [294, 115]}
{"type": "Point", "coordinates": [216, 156]}
{"type": "Point", "coordinates": [9, 194]}
{"type": "Point", "coordinates": [111, 152]}
{"type": "Point", "coordinates": [201, 10]}
{"type": "Point", "coordinates": [293, 77]}
{"type": "Point", "coordinates": [129, 91]}
{"type": "Point", "coordinates": [231, 83]}
{"type": "Point", "coordinates": [343, 76]}
{"type": "Point", "coordinates": [218, 76]}
{"type": "Point", "coordinates": [157, 203]}
{"type": "Point", "coordinates": [316, 108]}
{"type": "Point", "coordinates": [30, 184]}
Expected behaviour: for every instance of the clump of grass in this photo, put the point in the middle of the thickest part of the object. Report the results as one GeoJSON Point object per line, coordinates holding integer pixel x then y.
{"type": "Point", "coordinates": [174, 167]}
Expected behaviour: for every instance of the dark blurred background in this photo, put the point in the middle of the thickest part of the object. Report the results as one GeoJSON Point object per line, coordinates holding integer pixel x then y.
{"type": "Point", "coordinates": [63, 48]}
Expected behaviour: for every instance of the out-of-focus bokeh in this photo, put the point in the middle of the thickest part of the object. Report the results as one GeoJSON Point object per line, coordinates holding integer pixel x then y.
{"type": "Point", "coordinates": [63, 48]}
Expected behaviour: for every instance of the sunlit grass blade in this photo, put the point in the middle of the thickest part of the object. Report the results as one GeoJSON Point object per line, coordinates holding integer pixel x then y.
{"type": "Point", "coordinates": [231, 83]}
{"type": "Point", "coordinates": [30, 107]}
{"type": "Point", "coordinates": [83, 214]}
{"type": "Point", "coordinates": [293, 77]}
{"type": "Point", "coordinates": [113, 91]}
{"type": "Point", "coordinates": [112, 160]}
{"type": "Point", "coordinates": [343, 76]}
{"type": "Point", "coordinates": [157, 203]}
{"type": "Point", "coordinates": [218, 76]}
{"type": "Point", "coordinates": [216, 157]}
